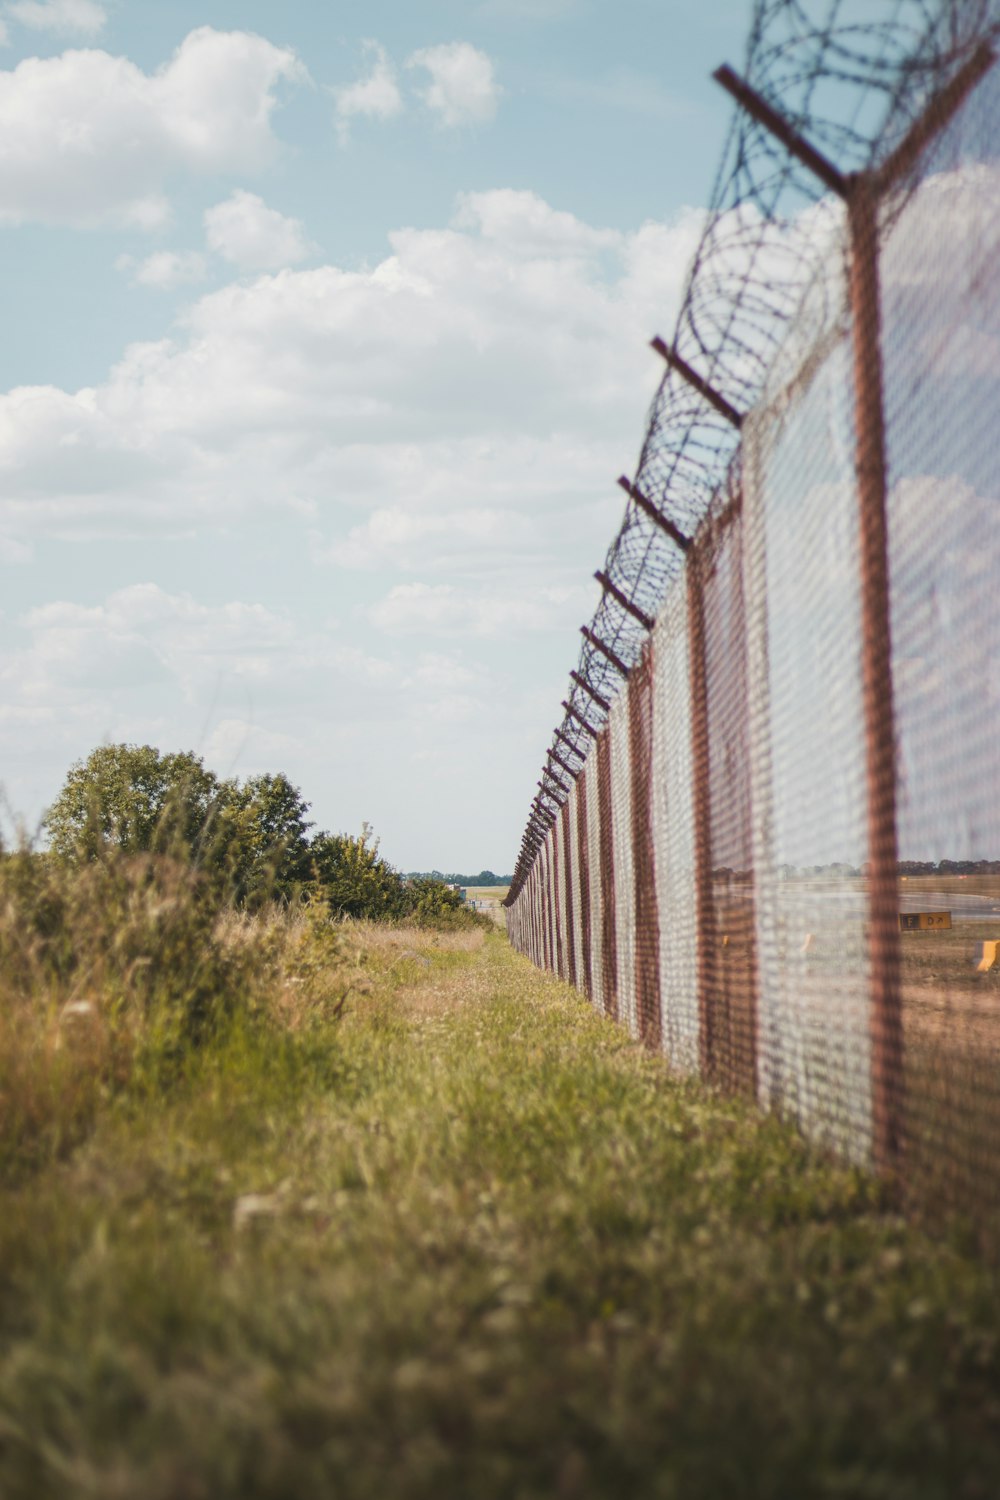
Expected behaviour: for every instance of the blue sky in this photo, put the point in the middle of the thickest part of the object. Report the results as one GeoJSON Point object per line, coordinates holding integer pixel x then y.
{"type": "Point", "coordinates": [324, 341]}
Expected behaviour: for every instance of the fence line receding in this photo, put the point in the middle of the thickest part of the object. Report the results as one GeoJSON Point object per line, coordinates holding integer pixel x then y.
{"type": "Point", "coordinates": [767, 834]}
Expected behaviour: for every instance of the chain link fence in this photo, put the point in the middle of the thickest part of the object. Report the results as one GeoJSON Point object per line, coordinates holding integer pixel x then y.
{"type": "Point", "coordinates": [771, 844]}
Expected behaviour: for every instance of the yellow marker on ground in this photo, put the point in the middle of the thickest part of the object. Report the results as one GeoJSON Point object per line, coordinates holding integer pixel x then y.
{"type": "Point", "coordinates": [987, 956]}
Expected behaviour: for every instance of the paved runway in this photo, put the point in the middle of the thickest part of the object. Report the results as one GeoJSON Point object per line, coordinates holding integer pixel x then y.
{"type": "Point", "coordinates": [963, 908]}
{"type": "Point", "coordinates": [848, 898]}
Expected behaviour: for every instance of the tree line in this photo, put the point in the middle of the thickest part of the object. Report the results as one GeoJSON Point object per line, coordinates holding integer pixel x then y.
{"type": "Point", "coordinates": [251, 840]}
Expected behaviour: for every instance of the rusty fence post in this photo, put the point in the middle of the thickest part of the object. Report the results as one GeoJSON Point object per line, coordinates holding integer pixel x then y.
{"type": "Point", "coordinates": [585, 976]}
{"type": "Point", "coordinates": [702, 811]}
{"type": "Point", "coordinates": [609, 930]}
{"type": "Point", "coordinates": [646, 913]}
{"type": "Point", "coordinates": [876, 678]}
{"type": "Point", "coordinates": [570, 869]}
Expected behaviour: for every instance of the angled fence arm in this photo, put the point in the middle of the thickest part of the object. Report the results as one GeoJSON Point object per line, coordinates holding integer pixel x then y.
{"type": "Point", "coordinates": [646, 621]}
{"type": "Point", "coordinates": [582, 682]}
{"type": "Point", "coordinates": [569, 744]}
{"type": "Point", "coordinates": [604, 649]}
{"type": "Point", "coordinates": [697, 382]}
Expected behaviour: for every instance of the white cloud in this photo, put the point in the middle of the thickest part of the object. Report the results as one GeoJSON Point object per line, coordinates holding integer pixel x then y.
{"type": "Point", "coordinates": [462, 89]}
{"type": "Point", "coordinates": [239, 745]}
{"type": "Point", "coordinates": [140, 635]}
{"type": "Point", "coordinates": [61, 17]}
{"type": "Point", "coordinates": [443, 427]}
{"type": "Point", "coordinates": [965, 198]}
{"type": "Point", "coordinates": [244, 231]}
{"type": "Point", "coordinates": [217, 95]}
{"type": "Point", "coordinates": [165, 269]}
{"type": "Point", "coordinates": [443, 673]}
{"type": "Point", "coordinates": [497, 365]}
{"type": "Point", "coordinates": [13, 551]}
{"type": "Point", "coordinates": [91, 138]}
{"type": "Point", "coordinates": [148, 212]}
{"type": "Point", "coordinates": [451, 418]}
{"type": "Point", "coordinates": [64, 17]}
{"type": "Point", "coordinates": [919, 262]}
{"type": "Point", "coordinates": [375, 97]}
{"type": "Point", "coordinates": [945, 557]}
{"type": "Point", "coordinates": [526, 225]}
{"type": "Point", "coordinates": [449, 610]}
{"type": "Point", "coordinates": [398, 535]}
{"type": "Point", "coordinates": [251, 691]}
{"type": "Point", "coordinates": [143, 642]}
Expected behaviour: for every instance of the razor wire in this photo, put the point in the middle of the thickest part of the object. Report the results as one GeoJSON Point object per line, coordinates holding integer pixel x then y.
{"type": "Point", "coordinates": [851, 77]}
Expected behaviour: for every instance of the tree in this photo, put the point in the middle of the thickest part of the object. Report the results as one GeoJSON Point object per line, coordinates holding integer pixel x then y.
{"type": "Point", "coordinates": [268, 837]}
{"type": "Point", "coordinates": [355, 880]}
{"type": "Point", "coordinates": [251, 838]}
{"type": "Point", "coordinates": [249, 842]}
{"type": "Point", "coordinates": [136, 798]}
{"type": "Point", "coordinates": [433, 902]}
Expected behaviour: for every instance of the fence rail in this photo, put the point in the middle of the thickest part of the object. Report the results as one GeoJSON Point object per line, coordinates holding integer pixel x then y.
{"type": "Point", "coordinates": [790, 694]}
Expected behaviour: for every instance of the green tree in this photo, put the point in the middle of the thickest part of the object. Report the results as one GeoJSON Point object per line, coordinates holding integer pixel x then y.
{"type": "Point", "coordinates": [354, 878]}
{"type": "Point", "coordinates": [435, 903]}
{"type": "Point", "coordinates": [138, 799]}
{"type": "Point", "coordinates": [267, 833]}
{"type": "Point", "coordinates": [252, 837]}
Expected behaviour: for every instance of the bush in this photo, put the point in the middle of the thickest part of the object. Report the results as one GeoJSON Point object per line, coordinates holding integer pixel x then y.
{"type": "Point", "coordinates": [353, 878]}
{"type": "Point", "coordinates": [113, 972]}
{"type": "Point", "coordinates": [355, 881]}
{"type": "Point", "coordinates": [434, 904]}
{"type": "Point", "coordinates": [248, 841]}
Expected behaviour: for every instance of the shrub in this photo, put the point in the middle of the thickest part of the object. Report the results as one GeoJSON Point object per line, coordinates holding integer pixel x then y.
{"type": "Point", "coordinates": [355, 880]}
{"type": "Point", "coordinates": [112, 972]}
{"type": "Point", "coordinates": [434, 904]}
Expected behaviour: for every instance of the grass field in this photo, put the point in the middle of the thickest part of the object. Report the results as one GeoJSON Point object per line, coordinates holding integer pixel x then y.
{"type": "Point", "coordinates": [946, 961]}
{"type": "Point", "coordinates": [493, 894]}
{"type": "Point", "coordinates": [468, 1242]}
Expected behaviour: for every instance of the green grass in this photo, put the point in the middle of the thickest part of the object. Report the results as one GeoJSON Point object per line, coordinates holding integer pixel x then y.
{"type": "Point", "coordinates": [467, 1242]}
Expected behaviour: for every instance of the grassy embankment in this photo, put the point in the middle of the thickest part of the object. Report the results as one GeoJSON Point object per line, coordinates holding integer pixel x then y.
{"type": "Point", "coordinates": [462, 1241]}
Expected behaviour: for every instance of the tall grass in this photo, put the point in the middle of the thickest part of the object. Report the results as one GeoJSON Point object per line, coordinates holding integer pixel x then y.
{"type": "Point", "coordinates": [467, 1240]}
{"type": "Point", "coordinates": [115, 974]}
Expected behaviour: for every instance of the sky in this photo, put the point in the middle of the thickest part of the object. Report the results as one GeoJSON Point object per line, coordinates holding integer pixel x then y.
{"type": "Point", "coordinates": [325, 337]}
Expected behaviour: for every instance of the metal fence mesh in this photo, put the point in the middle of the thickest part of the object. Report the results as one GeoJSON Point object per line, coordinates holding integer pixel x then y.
{"type": "Point", "coordinates": [941, 339]}
{"type": "Point", "coordinates": [673, 833]}
{"type": "Point", "coordinates": [807, 737]}
{"type": "Point", "coordinates": [623, 861]}
{"type": "Point", "coordinates": [778, 860]}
